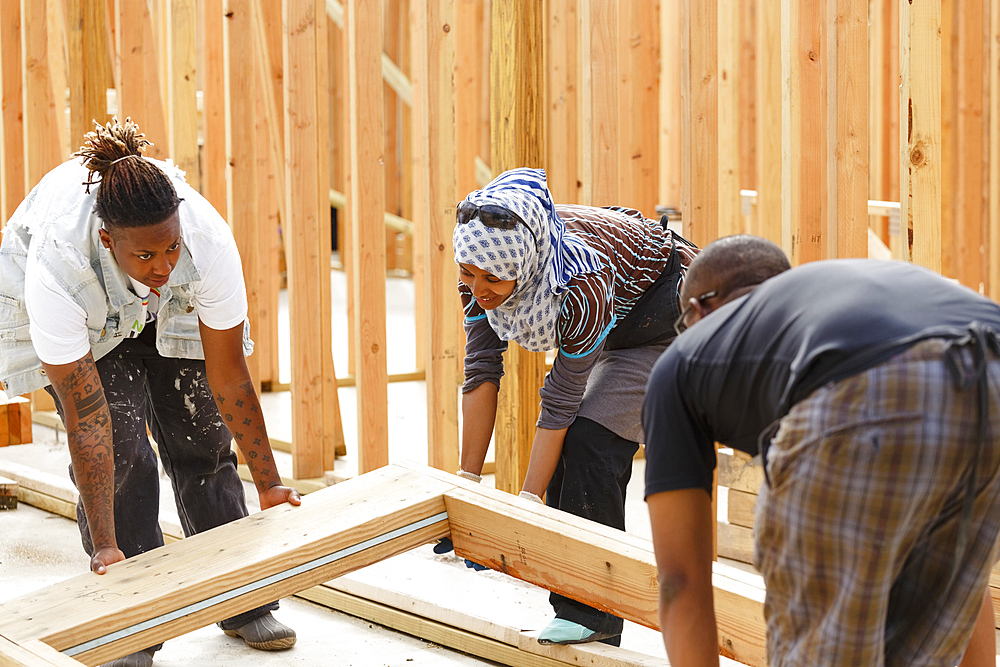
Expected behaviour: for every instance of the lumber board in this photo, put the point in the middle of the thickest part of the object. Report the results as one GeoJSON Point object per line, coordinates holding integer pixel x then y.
{"type": "Point", "coordinates": [730, 220]}
{"type": "Point", "coordinates": [210, 576]}
{"type": "Point", "coordinates": [433, 51]}
{"type": "Point", "coordinates": [89, 66]}
{"type": "Point", "coordinates": [562, 149]}
{"type": "Point", "coordinates": [181, 20]}
{"type": "Point", "coordinates": [742, 508]}
{"type": "Point", "coordinates": [214, 185]}
{"type": "Point", "coordinates": [367, 208]}
{"type": "Point", "coordinates": [738, 472]}
{"type": "Point", "coordinates": [18, 416]}
{"type": "Point", "coordinates": [14, 178]}
{"type": "Point", "coordinates": [517, 122]}
{"type": "Point", "coordinates": [669, 135]}
{"type": "Point", "coordinates": [639, 65]}
{"type": "Point", "coordinates": [735, 542]}
{"type": "Point", "coordinates": [32, 654]}
{"type": "Point", "coordinates": [767, 215]}
{"type": "Point", "coordinates": [993, 176]}
{"type": "Point", "coordinates": [41, 134]}
{"type": "Point", "coordinates": [920, 138]}
{"type": "Point", "coordinates": [8, 494]}
{"type": "Point", "coordinates": [599, 111]}
{"type": "Point", "coordinates": [629, 571]}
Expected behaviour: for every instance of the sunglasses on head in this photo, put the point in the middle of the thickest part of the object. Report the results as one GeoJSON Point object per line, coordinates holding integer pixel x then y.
{"type": "Point", "coordinates": [492, 215]}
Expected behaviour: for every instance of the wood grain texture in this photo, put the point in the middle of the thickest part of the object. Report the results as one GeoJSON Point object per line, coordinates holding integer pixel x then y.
{"type": "Point", "coordinates": [89, 66]}
{"type": "Point", "coordinates": [222, 560]}
{"type": "Point", "coordinates": [740, 472]}
{"type": "Point", "coordinates": [518, 129]}
{"type": "Point", "coordinates": [13, 176]}
{"type": "Point", "coordinates": [742, 508]}
{"type": "Point", "coordinates": [32, 654]}
{"type": "Point", "coordinates": [920, 129]}
{"type": "Point", "coordinates": [767, 221]}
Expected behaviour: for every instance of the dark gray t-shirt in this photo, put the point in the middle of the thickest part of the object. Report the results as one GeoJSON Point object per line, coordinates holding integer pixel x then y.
{"type": "Point", "coordinates": [741, 368]}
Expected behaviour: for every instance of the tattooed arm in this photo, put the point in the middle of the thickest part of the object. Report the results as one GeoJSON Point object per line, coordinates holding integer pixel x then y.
{"type": "Point", "coordinates": [88, 428]}
{"type": "Point", "coordinates": [240, 409]}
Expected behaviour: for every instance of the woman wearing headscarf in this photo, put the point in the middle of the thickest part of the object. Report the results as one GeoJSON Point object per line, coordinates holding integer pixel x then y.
{"type": "Point", "coordinates": [600, 286]}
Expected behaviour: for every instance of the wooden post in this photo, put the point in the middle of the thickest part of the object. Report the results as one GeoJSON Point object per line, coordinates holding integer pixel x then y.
{"type": "Point", "coordinates": [518, 141]}
{"type": "Point", "coordinates": [803, 145]}
{"type": "Point", "coordinates": [241, 165]}
{"type": "Point", "coordinates": [949, 139]}
{"type": "Point", "coordinates": [767, 220]}
{"type": "Point", "coordinates": [971, 142]}
{"type": "Point", "coordinates": [847, 124]}
{"type": "Point", "coordinates": [41, 137]}
{"type": "Point", "coordinates": [637, 99]}
{"type": "Point", "coordinates": [434, 143]}
{"type": "Point", "coordinates": [730, 220]}
{"type": "Point", "coordinates": [89, 66]}
{"type": "Point", "coordinates": [137, 77]}
{"type": "Point", "coordinates": [367, 197]}
{"type": "Point", "coordinates": [13, 176]}
{"type": "Point", "coordinates": [563, 107]}
{"type": "Point", "coordinates": [669, 137]}
{"type": "Point", "coordinates": [181, 22]}
{"type": "Point", "coordinates": [213, 158]}
{"type": "Point", "coordinates": [993, 222]}
{"type": "Point", "coordinates": [920, 138]}
{"type": "Point", "coordinates": [601, 120]}
{"type": "Point", "coordinates": [699, 120]}
{"type": "Point", "coordinates": [748, 96]}
{"type": "Point", "coordinates": [307, 237]}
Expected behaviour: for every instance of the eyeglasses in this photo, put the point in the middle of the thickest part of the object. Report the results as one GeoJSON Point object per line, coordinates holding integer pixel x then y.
{"type": "Point", "coordinates": [680, 325]}
{"type": "Point", "coordinates": [491, 215]}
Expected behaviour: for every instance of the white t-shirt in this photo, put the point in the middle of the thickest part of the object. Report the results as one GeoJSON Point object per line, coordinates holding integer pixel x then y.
{"type": "Point", "coordinates": [58, 325]}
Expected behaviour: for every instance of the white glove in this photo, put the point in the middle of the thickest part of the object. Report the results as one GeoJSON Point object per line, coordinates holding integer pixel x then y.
{"type": "Point", "coordinates": [528, 495]}
{"type": "Point", "coordinates": [471, 476]}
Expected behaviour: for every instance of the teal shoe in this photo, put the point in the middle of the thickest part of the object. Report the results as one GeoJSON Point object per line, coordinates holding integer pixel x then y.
{"type": "Point", "coordinates": [561, 631]}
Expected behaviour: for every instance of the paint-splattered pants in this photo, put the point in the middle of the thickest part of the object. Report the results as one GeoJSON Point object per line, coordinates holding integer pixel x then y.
{"type": "Point", "coordinates": [172, 396]}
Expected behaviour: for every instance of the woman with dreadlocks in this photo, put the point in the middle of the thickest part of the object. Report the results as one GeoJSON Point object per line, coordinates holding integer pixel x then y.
{"type": "Point", "coordinates": [122, 293]}
{"type": "Point", "coordinates": [601, 286]}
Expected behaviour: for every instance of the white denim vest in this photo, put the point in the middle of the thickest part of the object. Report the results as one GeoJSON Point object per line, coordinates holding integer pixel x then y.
{"type": "Point", "coordinates": [62, 232]}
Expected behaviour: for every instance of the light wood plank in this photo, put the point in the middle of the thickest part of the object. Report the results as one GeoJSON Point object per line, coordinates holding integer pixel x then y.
{"type": "Point", "coordinates": [768, 219]}
{"type": "Point", "coordinates": [41, 133]}
{"type": "Point", "coordinates": [735, 542]}
{"type": "Point", "coordinates": [214, 185]}
{"type": "Point", "coordinates": [602, 115]}
{"type": "Point", "coordinates": [32, 654]}
{"type": "Point", "coordinates": [700, 120]}
{"type": "Point", "coordinates": [280, 551]}
{"type": "Point", "coordinates": [920, 138]}
{"type": "Point", "coordinates": [364, 37]}
{"type": "Point", "coordinates": [434, 143]}
{"type": "Point", "coordinates": [638, 56]}
{"type": "Point", "coordinates": [993, 224]}
{"type": "Point", "coordinates": [669, 135]}
{"type": "Point", "coordinates": [740, 473]}
{"type": "Point", "coordinates": [563, 133]}
{"type": "Point", "coordinates": [13, 176]}
{"type": "Point", "coordinates": [730, 219]}
{"type": "Point", "coordinates": [89, 66]}
{"type": "Point", "coordinates": [137, 77]}
{"type": "Point", "coordinates": [518, 131]}
{"type": "Point", "coordinates": [181, 21]}
{"type": "Point", "coordinates": [742, 508]}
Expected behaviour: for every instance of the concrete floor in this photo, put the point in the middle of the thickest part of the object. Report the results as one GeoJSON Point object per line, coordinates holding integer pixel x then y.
{"type": "Point", "coordinates": [38, 549]}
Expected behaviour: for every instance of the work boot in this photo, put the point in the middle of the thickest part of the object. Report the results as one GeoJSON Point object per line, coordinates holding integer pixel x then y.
{"type": "Point", "coordinates": [142, 658]}
{"type": "Point", "coordinates": [264, 633]}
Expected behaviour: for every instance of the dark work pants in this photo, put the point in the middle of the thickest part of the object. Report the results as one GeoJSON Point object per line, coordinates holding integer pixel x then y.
{"type": "Point", "coordinates": [590, 480]}
{"type": "Point", "coordinates": [173, 397]}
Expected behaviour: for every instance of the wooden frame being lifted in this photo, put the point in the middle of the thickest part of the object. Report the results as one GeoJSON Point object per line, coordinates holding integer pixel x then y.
{"type": "Point", "coordinates": [197, 581]}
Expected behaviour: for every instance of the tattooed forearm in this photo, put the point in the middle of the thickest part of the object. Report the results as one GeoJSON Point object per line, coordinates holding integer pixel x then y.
{"type": "Point", "coordinates": [244, 419]}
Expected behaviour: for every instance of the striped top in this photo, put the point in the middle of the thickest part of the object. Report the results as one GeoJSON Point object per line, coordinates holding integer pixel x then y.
{"type": "Point", "coordinates": [636, 250]}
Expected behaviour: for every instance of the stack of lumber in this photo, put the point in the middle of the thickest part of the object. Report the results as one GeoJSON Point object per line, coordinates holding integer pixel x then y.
{"type": "Point", "coordinates": [15, 420]}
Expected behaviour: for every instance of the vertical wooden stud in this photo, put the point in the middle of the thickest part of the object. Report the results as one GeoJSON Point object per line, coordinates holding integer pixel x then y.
{"type": "Point", "coordinates": [669, 136]}
{"type": "Point", "coordinates": [433, 62]}
{"type": "Point", "coordinates": [700, 120]}
{"type": "Point", "coordinates": [181, 22]}
{"type": "Point", "coordinates": [89, 66]}
{"type": "Point", "coordinates": [949, 142]}
{"type": "Point", "coordinates": [213, 157]}
{"type": "Point", "coordinates": [307, 237]}
{"type": "Point", "coordinates": [137, 77]}
{"type": "Point", "coordinates": [41, 136]}
{"type": "Point", "coordinates": [847, 122]}
{"type": "Point", "coordinates": [804, 129]}
{"type": "Point", "coordinates": [748, 97]}
{"type": "Point", "coordinates": [993, 223]}
{"type": "Point", "coordinates": [517, 89]}
{"type": "Point", "coordinates": [637, 98]}
{"type": "Point", "coordinates": [367, 197]}
{"type": "Point", "coordinates": [601, 114]}
{"type": "Point", "coordinates": [13, 176]}
{"type": "Point", "coordinates": [563, 129]}
{"type": "Point", "coordinates": [767, 220]}
{"type": "Point", "coordinates": [920, 128]}
{"type": "Point", "coordinates": [730, 219]}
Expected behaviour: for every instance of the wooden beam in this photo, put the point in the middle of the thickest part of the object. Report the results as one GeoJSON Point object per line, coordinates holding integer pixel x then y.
{"type": "Point", "coordinates": [433, 50]}
{"type": "Point", "coordinates": [364, 37]}
{"type": "Point", "coordinates": [601, 119]}
{"type": "Point", "coordinates": [847, 125]}
{"type": "Point", "coordinates": [638, 66]}
{"type": "Point", "coordinates": [729, 75]}
{"type": "Point", "coordinates": [518, 128]}
{"type": "Point", "coordinates": [202, 579]}
{"type": "Point", "coordinates": [307, 236]}
{"type": "Point", "coordinates": [13, 176]}
{"type": "Point", "coordinates": [920, 136]}
{"type": "Point", "coordinates": [137, 75]}
{"type": "Point", "coordinates": [32, 654]}
{"type": "Point", "coordinates": [181, 21]}
{"type": "Point", "coordinates": [41, 134]}
{"type": "Point", "coordinates": [669, 135]}
{"type": "Point", "coordinates": [993, 223]}
{"type": "Point", "coordinates": [89, 66]}
{"type": "Point", "coordinates": [803, 130]}
{"type": "Point", "coordinates": [562, 133]}
{"type": "Point", "coordinates": [213, 158]}
{"type": "Point", "coordinates": [768, 219]}
{"type": "Point", "coordinates": [700, 120]}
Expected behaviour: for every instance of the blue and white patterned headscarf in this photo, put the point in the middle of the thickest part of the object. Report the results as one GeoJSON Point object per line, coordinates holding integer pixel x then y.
{"type": "Point", "coordinates": [542, 270]}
